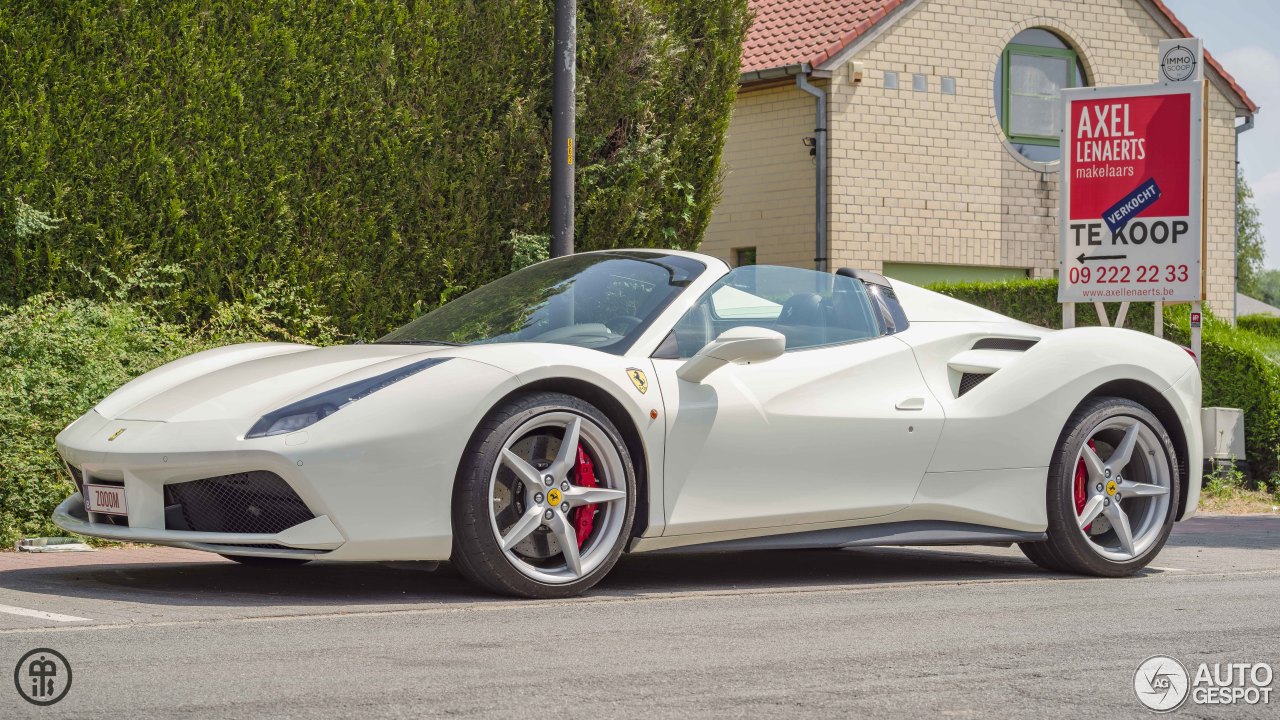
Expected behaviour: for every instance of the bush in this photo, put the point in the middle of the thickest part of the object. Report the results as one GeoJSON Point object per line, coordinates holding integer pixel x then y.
{"type": "Point", "coordinates": [1036, 302]}
{"type": "Point", "coordinates": [58, 358]}
{"type": "Point", "coordinates": [1239, 366]}
{"type": "Point", "coordinates": [1239, 370]}
{"type": "Point", "coordinates": [374, 155]}
{"type": "Point", "coordinates": [1268, 325]}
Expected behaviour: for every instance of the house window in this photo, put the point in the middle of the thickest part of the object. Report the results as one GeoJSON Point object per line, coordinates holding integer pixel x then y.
{"type": "Point", "coordinates": [744, 256]}
{"type": "Point", "coordinates": [1032, 72]}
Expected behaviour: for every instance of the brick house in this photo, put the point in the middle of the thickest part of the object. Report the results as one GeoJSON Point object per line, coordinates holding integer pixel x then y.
{"type": "Point", "coordinates": [940, 165]}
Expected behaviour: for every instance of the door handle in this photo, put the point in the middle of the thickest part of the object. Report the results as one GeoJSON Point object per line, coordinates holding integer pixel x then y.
{"type": "Point", "coordinates": [914, 403]}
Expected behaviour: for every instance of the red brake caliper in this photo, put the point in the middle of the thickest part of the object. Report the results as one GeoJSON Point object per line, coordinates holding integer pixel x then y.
{"type": "Point", "coordinates": [1082, 485]}
{"type": "Point", "coordinates": [584, 517]}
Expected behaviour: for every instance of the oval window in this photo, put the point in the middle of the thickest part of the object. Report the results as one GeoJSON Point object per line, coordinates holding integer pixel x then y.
{"type": "Point", "coordinates": [1030, 75]}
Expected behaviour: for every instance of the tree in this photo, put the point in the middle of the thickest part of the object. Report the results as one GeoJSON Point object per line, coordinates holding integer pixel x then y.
{"type": "Point", "coordinates": [1249, 240]}
{"type": "Point", "coordinates": [1269, 287]}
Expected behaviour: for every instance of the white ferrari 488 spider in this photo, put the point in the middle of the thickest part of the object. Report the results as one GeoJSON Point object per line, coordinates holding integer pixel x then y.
{"type": "Point", "coordinates": [533, 430]}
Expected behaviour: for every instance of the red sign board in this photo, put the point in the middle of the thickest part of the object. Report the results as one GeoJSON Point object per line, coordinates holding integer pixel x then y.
{"type": "Point", "coordinates": [1131, 189]}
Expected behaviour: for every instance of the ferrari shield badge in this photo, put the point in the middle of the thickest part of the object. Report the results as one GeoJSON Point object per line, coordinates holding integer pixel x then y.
{"type": "Point", "coordinates": [638, 379]}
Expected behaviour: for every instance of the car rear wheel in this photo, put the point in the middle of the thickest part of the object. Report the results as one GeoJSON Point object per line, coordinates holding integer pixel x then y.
{"type": "Point", "coordinates": [1112, 491]}
{"type": "Point", "coordinates": [544, 499]}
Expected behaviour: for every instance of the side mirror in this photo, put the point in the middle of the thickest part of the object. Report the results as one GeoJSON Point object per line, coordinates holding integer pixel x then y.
{"type": "Point", "coordinates": [738, 345]}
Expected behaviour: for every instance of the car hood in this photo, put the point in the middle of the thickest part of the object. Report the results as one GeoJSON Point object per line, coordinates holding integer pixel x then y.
{"type": "Point", "coordinates": [245, 381]}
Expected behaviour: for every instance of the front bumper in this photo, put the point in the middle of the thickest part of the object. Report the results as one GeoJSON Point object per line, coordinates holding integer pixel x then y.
{"type": "Point", "coordinates": [148, 457]}
{"type": "Point", "coordinates": [311, 539]}
{"type": "Point", "coordinates": [372, 482]}
{"type": "Point", "coordinates": [371, 494]}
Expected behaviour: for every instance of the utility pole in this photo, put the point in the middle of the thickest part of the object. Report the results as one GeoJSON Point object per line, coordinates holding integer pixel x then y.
{"type": "Point", "coordinates": [563, 121]}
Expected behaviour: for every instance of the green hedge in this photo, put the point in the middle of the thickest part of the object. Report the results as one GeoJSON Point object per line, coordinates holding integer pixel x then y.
{"type": "Point", "coordinates": [1036, 302]}
{"type": "Point", "coordinates": [1240, 367]}
{"type": "Point", "coordinates": [1239, 370]}
{"type": "Point", "coordinates": [376, 154]}
{"type": "Point", "coordinates": [1268, 325]}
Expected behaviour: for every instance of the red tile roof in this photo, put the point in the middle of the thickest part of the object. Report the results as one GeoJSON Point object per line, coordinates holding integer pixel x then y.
{"type": "Point", "coordinates": [792, 32]}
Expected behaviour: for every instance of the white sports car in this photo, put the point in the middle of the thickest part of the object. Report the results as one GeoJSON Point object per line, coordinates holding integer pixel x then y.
{"type": "Point", "coordinates": [534, 429]}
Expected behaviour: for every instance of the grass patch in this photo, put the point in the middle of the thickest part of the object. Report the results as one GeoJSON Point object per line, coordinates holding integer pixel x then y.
{"type": "Point", "coordinates": [1226, 491]}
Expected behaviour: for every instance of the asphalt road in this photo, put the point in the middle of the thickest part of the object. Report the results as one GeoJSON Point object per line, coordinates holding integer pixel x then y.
{"type": "Point", "coordinates": [963, 632]}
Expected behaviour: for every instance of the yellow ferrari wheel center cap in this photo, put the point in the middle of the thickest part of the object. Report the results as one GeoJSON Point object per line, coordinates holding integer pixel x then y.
{"type": "Point", "coordinates": [553, 496]}
{"type": "Point", "coordinates": [1111, 487]}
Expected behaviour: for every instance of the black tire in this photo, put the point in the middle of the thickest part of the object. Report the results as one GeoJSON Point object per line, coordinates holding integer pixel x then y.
{"type": "Point", "coordinates": [271, 562]}
{"type": "Point", "coordinates": [1066, 549]}
{"type": "Point", "coordinates": [477, 553]}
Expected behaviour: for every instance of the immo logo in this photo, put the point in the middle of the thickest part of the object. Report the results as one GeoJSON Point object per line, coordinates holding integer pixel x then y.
{"type": "Point", "coordinates": [1178, 63]}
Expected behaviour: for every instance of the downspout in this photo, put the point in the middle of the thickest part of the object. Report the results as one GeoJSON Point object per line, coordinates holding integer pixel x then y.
{"type": "Point", "coordinates": [820, 151]}
{"type": "Point", "coordinates": [1235, 244]}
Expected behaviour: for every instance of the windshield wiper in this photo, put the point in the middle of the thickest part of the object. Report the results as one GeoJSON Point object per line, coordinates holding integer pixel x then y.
{"type": "Point", "coordinates": [419, 342]}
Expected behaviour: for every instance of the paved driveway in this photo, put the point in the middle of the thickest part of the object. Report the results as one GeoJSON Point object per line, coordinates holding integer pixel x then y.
{"type": "Point", "coordinates": [968, 632]}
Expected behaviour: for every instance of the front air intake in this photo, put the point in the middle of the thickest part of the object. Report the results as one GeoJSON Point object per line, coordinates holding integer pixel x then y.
{"type": "Point", "coordinates": [251, 502]}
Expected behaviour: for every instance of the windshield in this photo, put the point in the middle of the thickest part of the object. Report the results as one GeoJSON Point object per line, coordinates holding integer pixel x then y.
{"type": "Point", "coordinates": [597, 300]}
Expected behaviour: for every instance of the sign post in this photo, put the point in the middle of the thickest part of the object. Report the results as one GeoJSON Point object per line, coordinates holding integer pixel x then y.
{"type": "Point", "coordinates": [1132, 193]}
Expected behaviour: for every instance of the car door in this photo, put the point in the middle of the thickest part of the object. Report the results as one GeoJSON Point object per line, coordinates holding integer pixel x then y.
{"type": "Point", "coordinates": [840, 427]}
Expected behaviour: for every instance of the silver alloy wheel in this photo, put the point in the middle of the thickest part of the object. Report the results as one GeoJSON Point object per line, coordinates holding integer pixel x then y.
{"type": "Point", "coordinates": [531, 497]}
{"type": "Point", "coordinates": [1127, 495]}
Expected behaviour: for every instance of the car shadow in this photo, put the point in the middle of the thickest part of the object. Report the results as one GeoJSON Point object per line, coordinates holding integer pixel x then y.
{"type": "Point", "coordinates": [368, 586]}
{"type": "Point", "coordinates": [771, 570]}
{"type": "Point", "coordinates": [371, 585]}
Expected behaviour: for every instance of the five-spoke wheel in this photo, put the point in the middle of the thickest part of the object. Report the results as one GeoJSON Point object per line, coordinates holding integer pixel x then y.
{"type": "Point", "coordinates": [1112, 491]}
{"type": "Point", "coordinates": [545, 502]}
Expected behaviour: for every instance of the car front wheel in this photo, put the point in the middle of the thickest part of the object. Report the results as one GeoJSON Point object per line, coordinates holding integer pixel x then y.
{"type": "Point", "coordinates": [544, 499]}
{"type": "Point", "coordinates": [1112, 491]}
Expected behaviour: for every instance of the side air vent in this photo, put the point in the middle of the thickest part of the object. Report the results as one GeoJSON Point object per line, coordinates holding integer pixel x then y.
{"type": "Point", "coordinates": [988, 356]}
{"type": "Point", "coordinates": [969, 381]}
{"type": "Point", "coordinates": [999, 343]}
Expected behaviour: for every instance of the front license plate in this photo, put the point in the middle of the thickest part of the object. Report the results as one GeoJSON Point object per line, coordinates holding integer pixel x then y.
{"type": "Point", "coordinates": [106, 499]}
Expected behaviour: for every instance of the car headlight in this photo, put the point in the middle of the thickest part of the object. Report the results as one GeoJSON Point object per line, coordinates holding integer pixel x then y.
{"type": "Point", "coordinates": [305, 413]}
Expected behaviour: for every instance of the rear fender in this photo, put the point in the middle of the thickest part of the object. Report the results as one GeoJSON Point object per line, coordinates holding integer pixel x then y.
{"type": "Point", "coordinates": [1014, 418]}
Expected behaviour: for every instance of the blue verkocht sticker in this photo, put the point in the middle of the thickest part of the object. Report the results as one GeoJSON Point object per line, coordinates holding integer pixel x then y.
{"type": "Point", "coordinates": [1135, 202]}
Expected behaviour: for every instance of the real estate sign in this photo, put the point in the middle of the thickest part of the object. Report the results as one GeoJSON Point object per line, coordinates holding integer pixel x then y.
{"type": "Point", "coordinates": [1131, 193]}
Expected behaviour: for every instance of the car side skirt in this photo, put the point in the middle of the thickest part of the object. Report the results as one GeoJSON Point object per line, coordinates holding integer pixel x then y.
{"type": "Point", "coordinates": [913, 532]}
